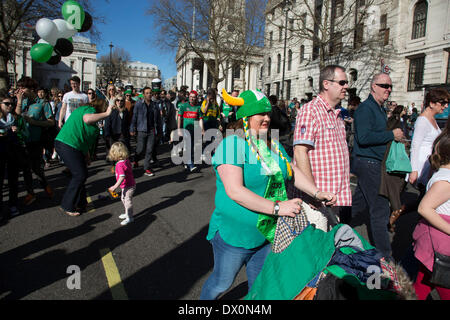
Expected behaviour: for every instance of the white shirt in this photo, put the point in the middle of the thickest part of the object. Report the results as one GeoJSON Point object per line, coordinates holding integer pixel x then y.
{"type": "Point", "coordinates": [422, 145]}
{"type": "Point", "coordinates": [443, 174]}
{"type": "Point", "coordinates": [74, 100]}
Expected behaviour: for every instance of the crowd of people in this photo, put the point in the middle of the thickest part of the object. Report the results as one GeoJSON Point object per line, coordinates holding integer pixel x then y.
{"type": "Point", "coordinates": [309, 151]}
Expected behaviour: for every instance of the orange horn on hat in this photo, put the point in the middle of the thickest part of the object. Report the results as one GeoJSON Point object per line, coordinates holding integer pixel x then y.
{"type": "Point", "coordinates": [232, 101]}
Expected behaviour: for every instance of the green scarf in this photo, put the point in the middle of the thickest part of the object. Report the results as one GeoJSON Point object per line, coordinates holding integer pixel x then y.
{"type": "Point", "coordinates": [275, 190]}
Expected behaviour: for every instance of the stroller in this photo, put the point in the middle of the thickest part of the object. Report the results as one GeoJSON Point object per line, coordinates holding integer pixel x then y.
{"type": "Point", "coordinates": [311, 260]}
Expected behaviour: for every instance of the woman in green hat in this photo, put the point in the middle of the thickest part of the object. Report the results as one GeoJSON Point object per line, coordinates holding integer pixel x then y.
{"type": "Point", "coordinates": [251, 170]}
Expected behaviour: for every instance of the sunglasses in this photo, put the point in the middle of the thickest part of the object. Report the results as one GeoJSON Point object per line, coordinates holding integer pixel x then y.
{"type": "Point", "coordinates": [60, 96]}
{"type": "Point", "coordinates": [91, 93]}
{"type": "Point", "coordinates": [384, 85]}
{"type": "Point", "coordinates": [443, 102]}
{"type": "Point", "coordinates": [119, 100]}
{"type": "Point", "coordinates": [340, 82]}
{"type": "Point", "coordinates": [8, 104]}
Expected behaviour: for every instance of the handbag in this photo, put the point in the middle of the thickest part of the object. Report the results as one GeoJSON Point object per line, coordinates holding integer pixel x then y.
{"type": "Point", "coordinates": [440, 274]}
{"type": "Point", "coordinates": [397, 160]}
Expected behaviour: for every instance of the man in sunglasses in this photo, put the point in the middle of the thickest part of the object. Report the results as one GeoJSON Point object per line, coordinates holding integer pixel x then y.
{"type": "Point", "coordinates": [320, 146]}
{"type": "Point", "coordinates": [371, 139]}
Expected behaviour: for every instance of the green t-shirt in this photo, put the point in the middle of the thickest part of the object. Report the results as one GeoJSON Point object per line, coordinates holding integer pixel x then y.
{"type": "Point", "coordinates": [78, 134]}
{"type": "Point", "coordinates": [212, 114]}
{"type": "Point", "coordinates": [237, 224]}
{"type": "Point", "coordinates": [190, 114]}
{"type": "Point", "coordinates": [226, 109]}
{"type": "Point", "coordinates": [37, 110]}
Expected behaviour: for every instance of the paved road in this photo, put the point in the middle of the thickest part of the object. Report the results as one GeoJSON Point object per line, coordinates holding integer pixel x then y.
{"type": "Point", "coordinates": [162, 255]}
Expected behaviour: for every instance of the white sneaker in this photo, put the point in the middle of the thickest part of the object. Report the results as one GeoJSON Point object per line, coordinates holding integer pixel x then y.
{"type": "Point", "coordinates": [54, 155]}
{"type": "Point", "coordinates": [127, 221]}
{"type": "Point", "coordinates": [123, 216]}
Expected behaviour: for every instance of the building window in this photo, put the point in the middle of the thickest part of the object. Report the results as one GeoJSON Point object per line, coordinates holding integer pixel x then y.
{"type": "Point", "coordinates": [270, 39]}
{"type": "Point", "coordinates": [268, 89]}
{"type": "Point", "coordinates": [288, 90]}
{"type": "Point", "coordinates": [420, 20]}
{"type": "Point", "coordinates": [415, 75]}
{"type": "Point", "coordinates": [359, 36]}
{"type": "Point", "coordinates": [339, 6]}
{"type": "Point", "coordinates": [336, 43]}
{"type": "Point", "coordinates": [278, 63]}
{"type": "Point", "coordinates": [448, 68]}
{"type": "Point", "coordinates": [289, 60]}
{"type": "Point", "coordinates": [280, 33]}
{"type": "Point", "coordinates": [384, 30]}
{"type": "Point", "coordinates": [236, 71]}
{"type": "Point", "coordinates": [277, 89]}
{"type": "Point", "coordinates": [269, 66]}
{"type": "Point", "coordinates": [302, 53]}
{"type": "Point", "coordinates": [86, 86]}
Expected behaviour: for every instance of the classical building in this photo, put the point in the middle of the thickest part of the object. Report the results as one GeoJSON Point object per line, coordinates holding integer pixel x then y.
{"type": "Point", "coordinates": [20, 63]}
{"type": "Point", "coordinates": [170, 83]}
{"type": "Point", "coordinates": [410, 39]}
{"type": "Point", "coordinates": [82, 63]}
{"type": "Point", "coordinates": [239, 72]}
{"type": "Point", "coordinates": [134, 73]}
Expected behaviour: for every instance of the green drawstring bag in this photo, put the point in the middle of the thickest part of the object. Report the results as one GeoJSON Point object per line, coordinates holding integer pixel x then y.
{"type": "Point", "coordinates": [398, 160]}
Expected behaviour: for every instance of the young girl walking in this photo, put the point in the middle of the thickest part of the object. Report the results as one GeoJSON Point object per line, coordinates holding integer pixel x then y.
{"type": "Point", "coordinates": [124, 179]}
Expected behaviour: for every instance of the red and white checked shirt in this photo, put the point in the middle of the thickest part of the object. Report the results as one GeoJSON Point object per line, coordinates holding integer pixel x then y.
{"type": "Point", "coordinates": [320, 126]}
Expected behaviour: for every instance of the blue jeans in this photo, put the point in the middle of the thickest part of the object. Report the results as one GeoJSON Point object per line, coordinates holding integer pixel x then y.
{"type": "Point", "coordinates": [228, 260]}
{"type": "Point", "coordinates": [366, 195]}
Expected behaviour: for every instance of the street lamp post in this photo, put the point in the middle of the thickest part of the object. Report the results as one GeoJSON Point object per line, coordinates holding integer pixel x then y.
{"type": "Point", "coordinates": [110, 61]}
{"type": "Point", "coordinates": [286, 10]}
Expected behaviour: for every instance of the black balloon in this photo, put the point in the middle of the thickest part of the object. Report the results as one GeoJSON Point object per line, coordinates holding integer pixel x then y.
{"type": "Point", "coordinates": [54, 60]}
{"type": "Point", "coordinates": [87, 24]}
{"type": "Point", "coordinates": [63, 47]}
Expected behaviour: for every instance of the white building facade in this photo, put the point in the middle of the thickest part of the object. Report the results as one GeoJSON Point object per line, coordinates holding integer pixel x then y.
{"type": "Point", "coordinates": [193, 72]}
{"type": "Point", "coordinates": [82, 63]}
{"type": "Point", "coordinates": [413, 46]}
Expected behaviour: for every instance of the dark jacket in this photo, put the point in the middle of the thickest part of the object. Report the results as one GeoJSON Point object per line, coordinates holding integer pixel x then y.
{"type": "Point", "coordinates": [139, 119]}
{"type": "Point", "coordinates": [371, 134]}
{"type": "Point", "coordinates": [115, 125]}
{"type": "Point", "coordinates": [168, 113]}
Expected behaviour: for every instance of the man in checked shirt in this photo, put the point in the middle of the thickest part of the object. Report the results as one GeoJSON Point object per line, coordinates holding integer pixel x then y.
{"type": "Point", "coordinates": [320, 146]}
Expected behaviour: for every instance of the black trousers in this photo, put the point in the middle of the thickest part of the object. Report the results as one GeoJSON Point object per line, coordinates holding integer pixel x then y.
{"type": "Point", "coordinates": [75, 196]}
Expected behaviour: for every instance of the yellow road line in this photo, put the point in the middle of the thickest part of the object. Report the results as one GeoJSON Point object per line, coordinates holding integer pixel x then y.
{"type": "Point", "coordinates": [113, 276]}
{"type": "Point", "coordinates": [89, 200]}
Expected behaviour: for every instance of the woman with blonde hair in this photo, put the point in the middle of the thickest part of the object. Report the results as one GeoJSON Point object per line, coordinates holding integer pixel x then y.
{"type": "Point", "coordinates": [124, 179]}
{"type": "Point", "coordinates": [111, 93]}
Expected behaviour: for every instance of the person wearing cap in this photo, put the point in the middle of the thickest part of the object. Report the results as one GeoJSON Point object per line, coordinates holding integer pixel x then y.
{"type": "Point", "coordinates": [189, 119]}
{"type": "Point", "coordinates": [251, 171]}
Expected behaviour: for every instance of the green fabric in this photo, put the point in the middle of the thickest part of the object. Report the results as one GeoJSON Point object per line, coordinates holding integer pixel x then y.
{"type": "Point", "coordinates": [190, 115]}
{"type": "Point", "coordinates": [237, 224]}
{"type": "Point", "coordinates": [40, 111]}
{"type": "Point", "coordinates": [275, 191]}
{"type": "Point", "coordinates": [285, 274]}
{"type": "Point", "coordinates": [226, 109]}
{"type": "Point", "coordinates": [78, 134]}
{"type": "Point", "coordinates": [397, 160]}
{"type": "Point", "coordinates": [254, 102]}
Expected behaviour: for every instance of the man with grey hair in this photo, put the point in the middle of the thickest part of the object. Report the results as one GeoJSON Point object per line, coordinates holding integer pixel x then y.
{"type": "Point", "coordinates": [371, 139]}
{"type": "Point", "coordinates": [320, 146]}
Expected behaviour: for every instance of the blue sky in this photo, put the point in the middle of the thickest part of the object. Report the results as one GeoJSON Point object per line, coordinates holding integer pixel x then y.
{"type": "Point", "coordinates": [127, 26]}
